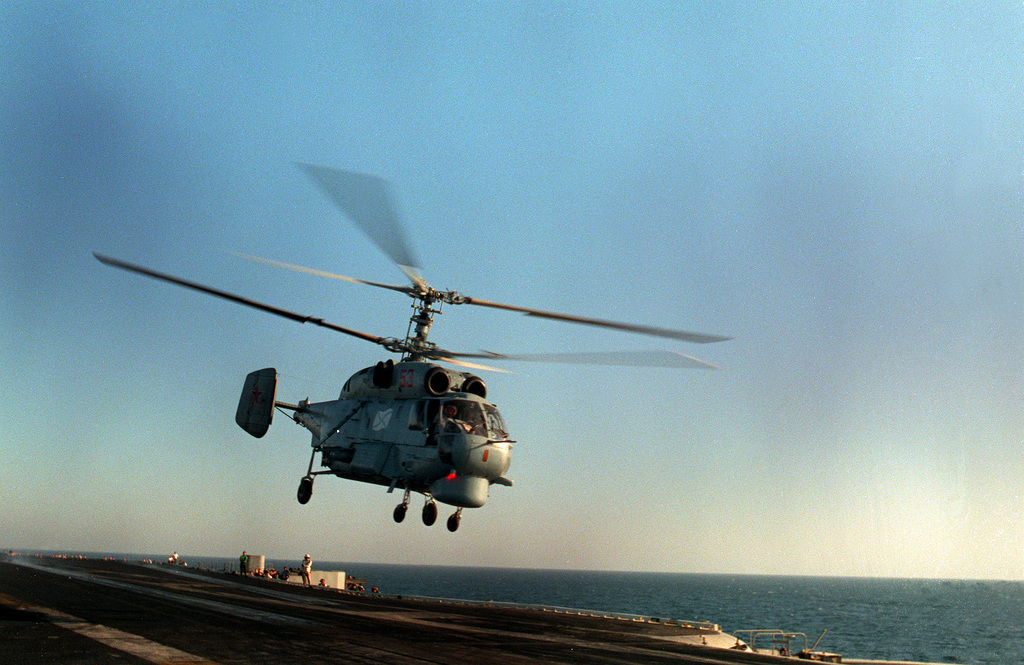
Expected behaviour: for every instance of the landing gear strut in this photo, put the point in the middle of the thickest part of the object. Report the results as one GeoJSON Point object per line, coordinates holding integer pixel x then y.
{"type": "Point", "coordinates": [453, 521]}
{"type": "Point", "coordinates": [400, 509]}
{"type": "Point", "coordinates": [306, 484]}
{"type": "Point", "coordinates": [429, 511]}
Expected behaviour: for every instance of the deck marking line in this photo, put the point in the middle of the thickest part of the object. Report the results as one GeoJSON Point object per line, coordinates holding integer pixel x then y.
{"type": "Point", "coordinates": [238, 611]}
{"type": "Point", "coordinates": [135, 645]}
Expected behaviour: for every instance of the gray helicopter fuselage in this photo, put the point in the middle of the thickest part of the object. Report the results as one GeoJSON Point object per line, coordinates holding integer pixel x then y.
{"type": "Point", "coordinates": [414, 426]}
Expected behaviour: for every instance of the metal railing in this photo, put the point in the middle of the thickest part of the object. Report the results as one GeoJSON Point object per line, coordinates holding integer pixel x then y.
{"type": "Point", "coordinates": [781, 640]}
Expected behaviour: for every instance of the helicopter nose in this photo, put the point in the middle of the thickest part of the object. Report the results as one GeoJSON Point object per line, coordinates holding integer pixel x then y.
{"type": "Point", "coordinates": [475, 456]}
{"type": "Point", "coordinates": [494, 459]}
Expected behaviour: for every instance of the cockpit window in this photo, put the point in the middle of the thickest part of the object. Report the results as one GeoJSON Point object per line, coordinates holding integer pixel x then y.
{"type": "Point", "coordinates": [495, 423]}
{"type": "Point", "coordinates": [464, 415]}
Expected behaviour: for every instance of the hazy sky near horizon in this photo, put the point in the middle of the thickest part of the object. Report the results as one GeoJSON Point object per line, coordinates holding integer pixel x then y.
{"type": "Point", "coordinates": [837, 187]}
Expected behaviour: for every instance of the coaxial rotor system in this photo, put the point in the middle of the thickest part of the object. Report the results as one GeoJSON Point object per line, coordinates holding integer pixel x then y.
{"type": "Point", "coordinates": [367, 200]}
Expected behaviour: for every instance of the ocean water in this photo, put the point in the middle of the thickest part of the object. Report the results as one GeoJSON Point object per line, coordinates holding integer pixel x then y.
{"type": "Point", "coordinates": [940, 621]}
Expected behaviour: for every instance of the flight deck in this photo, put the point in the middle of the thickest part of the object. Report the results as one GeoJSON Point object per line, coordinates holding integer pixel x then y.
{"type": "Point", "coordinates": [56, 610]}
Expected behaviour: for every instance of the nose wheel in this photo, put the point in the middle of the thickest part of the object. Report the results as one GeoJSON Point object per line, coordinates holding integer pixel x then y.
{"type": "Point", "coordinates": [453, 521]}
{"type": "Point", "coordinates": [429, 512]}
{"type": "Point", "coordinates": [401, 508]}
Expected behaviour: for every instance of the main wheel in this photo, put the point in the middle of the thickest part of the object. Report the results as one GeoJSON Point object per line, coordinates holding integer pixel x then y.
{"type": "Point", "coordinates": [305, 490]}
{"type": "Point", "coordinates": [399, 514]}
{"type": "Point", "coordinates": [430, 513]}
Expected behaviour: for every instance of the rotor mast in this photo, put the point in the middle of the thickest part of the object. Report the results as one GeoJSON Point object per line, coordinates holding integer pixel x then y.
{"type": "Point", "coordinates": [419, 328]}
{"type": "Point", "coordinates": [427, 302]}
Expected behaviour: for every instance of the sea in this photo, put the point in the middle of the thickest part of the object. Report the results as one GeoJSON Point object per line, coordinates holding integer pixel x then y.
{"type": "Point", "coordinates": [915, 620]}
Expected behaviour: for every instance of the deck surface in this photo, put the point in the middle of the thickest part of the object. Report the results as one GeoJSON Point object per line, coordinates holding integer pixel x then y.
{"type": "Point", "coordinates": [97, 612]}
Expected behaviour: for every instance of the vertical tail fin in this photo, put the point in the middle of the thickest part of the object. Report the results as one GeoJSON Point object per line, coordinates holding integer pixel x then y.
{"type": "Point", "coordinates": [256, 405]}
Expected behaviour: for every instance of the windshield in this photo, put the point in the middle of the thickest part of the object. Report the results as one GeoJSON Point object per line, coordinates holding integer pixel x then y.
{"type": "Point", "coordinates": [464, 415]}
{"type": "Point", "coordinates": [495, 423]}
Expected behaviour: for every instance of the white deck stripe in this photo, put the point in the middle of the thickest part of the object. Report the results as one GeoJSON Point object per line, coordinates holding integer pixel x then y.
{"type": "Point", "coordinates": [214, 605]}
{"type": "Point", "coordinates": [153, 652]}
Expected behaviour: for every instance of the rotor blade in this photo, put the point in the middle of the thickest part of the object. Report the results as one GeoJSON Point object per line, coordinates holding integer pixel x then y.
{"type": "Point", "coordinates": [455, 358]}
{"type": "Point", "coordinates": [670, 359]}
{"type": "Point", "coordinates": [463, 363]}
{"type": "Point", "coordinates": [684, 335]}
{"type": "Point", "coordinates": [237, 299]}
{"type": "Point", "coordinates": [321, 273]}
{"type": "Point", "coordinates": [367, 201]}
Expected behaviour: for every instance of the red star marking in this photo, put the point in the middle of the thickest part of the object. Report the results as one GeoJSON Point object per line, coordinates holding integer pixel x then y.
{"type": "Point", "coordinates": [256, 393]}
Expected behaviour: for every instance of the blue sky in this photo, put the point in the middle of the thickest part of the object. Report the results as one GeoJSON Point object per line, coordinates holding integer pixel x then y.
{"type": "Point", "coordinates": [836, 187]}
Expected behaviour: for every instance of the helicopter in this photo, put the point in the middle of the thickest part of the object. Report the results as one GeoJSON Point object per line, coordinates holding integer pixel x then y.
{"type": "Point", "coordinates": [413, 425]}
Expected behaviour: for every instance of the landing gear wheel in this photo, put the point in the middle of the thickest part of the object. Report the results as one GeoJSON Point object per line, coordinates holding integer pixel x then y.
{"type": "Point", "coordinates": [305, 490]}
{"type": "Point", "coordinates": [453, 521]}
{"type": "Point", "coordinates": [401, 508]}
{"type": "Point", "coordinates": [430, 513]}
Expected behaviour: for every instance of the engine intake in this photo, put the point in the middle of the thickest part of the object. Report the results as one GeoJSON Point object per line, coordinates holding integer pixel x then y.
{"type": "Point", "coordinates": [474, 385]}
{"type": "Point", "coordinates": [437, 381]}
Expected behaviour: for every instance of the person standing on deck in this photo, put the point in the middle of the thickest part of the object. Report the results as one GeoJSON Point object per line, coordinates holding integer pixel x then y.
{"type": "Point", "coordinates": [307, 566]}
